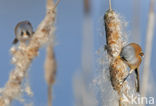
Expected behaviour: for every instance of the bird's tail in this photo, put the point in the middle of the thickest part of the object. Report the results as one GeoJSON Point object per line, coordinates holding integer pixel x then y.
{"type": "Point", "coordinates": [137, 81]}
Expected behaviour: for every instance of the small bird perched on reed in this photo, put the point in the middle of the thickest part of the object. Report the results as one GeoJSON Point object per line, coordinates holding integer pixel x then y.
{"type": "Point", "coordinates": [23, 31]}
{"type": "Point", "coordinates": [132, 55]}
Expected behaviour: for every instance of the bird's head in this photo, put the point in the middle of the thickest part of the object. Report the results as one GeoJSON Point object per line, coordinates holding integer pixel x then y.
{"type": "Point", "coordinates": [23, 31]}
{"type": "Point", "coordinates": [132, 54]}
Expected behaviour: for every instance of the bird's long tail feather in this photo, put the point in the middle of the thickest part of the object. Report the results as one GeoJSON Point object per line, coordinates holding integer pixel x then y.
{"type": "Point", "coordinates": [137, 81]}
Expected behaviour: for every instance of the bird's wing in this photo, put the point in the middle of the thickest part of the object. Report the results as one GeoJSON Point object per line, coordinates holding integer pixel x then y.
{"type": "Point", "coordinates": [15, 41]}
{"type": "Point", "coordinates": [137, 81]}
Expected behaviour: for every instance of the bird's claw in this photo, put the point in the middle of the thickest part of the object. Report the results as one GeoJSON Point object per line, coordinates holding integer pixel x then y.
{"type": "Point", "coordinates": [121, 82]}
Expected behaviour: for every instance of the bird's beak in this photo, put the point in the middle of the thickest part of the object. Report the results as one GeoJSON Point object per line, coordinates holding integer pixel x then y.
{"type": "Point", "coordinates": [25, 35]}
{"type": "Point", "coordinates": [118, 57]}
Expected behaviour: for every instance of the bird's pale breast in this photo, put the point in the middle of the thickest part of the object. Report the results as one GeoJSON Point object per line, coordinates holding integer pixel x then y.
{"type": "Point", "coordinates": [128, 54]}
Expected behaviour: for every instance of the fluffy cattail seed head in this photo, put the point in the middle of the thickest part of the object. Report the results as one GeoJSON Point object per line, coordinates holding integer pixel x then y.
{"type": "Point", "coordinates": [113, 33]}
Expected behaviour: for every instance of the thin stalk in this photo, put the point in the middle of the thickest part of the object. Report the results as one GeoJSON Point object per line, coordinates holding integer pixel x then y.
{"type": "Point", "coordinates": [110, 5]}
{"type": "Point", "coordinates": [148, 49]}
{"type": "Point", "coordinates": [49, 95]}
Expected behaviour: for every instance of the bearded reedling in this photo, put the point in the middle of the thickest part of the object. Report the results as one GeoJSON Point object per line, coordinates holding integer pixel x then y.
{"type": "Point", "coordinates": [132, 55]}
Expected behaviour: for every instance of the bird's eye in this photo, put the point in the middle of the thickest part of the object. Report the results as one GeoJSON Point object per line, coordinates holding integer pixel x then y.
{"type": "Point", "coordinates": [22, 33]}
{"type": "Point", "coordinates": [141, 54]}
{"type": "Point", "coordinates": [27, 32]}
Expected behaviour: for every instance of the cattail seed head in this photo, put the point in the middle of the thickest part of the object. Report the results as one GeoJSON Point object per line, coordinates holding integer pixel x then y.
{"type": "Point", "coordinates": [117, 67]}
{"type": "Point", "coordinates": [113, 33]}
{"type": "Point", "coordinates": [118, 71]}
{"type": "Point", "coordinates": [50, 66]}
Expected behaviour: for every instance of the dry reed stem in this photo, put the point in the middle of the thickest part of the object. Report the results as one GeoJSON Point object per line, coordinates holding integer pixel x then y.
{"type": "Point", "coordinates": [24, 54]}
{"type": "Point", "coordinates": [118, 69]}
{"type": "Point", "coordinates": [110, 5]}
{"type": "Point", "coordinates": [148, 49]}
{"type": "Point", "coordinates": [50, 71]}
{"type": "Point", "coordinates": [49, 95]}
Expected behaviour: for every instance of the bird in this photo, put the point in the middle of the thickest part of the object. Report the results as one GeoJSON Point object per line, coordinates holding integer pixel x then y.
{"type": "Point", "coordinates": [23, 31]}
{"type": "Point", "coordinates": [132, 55]}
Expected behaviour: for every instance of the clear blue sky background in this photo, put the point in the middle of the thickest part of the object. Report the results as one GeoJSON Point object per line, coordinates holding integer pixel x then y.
{"type": "Point", "coordinates": [69, 38]}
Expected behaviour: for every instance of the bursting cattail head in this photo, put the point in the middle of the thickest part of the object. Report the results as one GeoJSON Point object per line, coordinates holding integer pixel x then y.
{"type": "Point", "coordinates": [113, 33]}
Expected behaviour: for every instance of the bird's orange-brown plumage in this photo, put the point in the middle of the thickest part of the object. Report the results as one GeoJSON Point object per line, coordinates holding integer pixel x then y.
{"type": "Point", "coordinates": [132, 55]}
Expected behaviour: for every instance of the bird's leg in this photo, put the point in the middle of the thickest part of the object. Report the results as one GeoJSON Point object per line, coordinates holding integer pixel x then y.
{"type": "Point", "coordinates": [131, 71]}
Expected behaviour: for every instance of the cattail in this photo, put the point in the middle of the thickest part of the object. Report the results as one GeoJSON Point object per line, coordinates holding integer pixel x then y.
{"type": "Point", "coordinates": [50, 66]}
{"type": "Point", "coordinates": [117, 68]}
{"type": "Point", "coordinates": [118, 71]}
{"type": "Point", "coordinates": [50, 71]}
{"type": "Point", "coordinates": [23, 55]}
{"type": "Point", "coordinates": [114, 46]}
{"type": "Point", "coordinates": [113, 33]}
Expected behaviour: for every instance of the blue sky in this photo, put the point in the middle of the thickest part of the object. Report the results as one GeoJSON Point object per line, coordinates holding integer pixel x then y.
{"type": "Point", "coordinates": [69, 41]}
